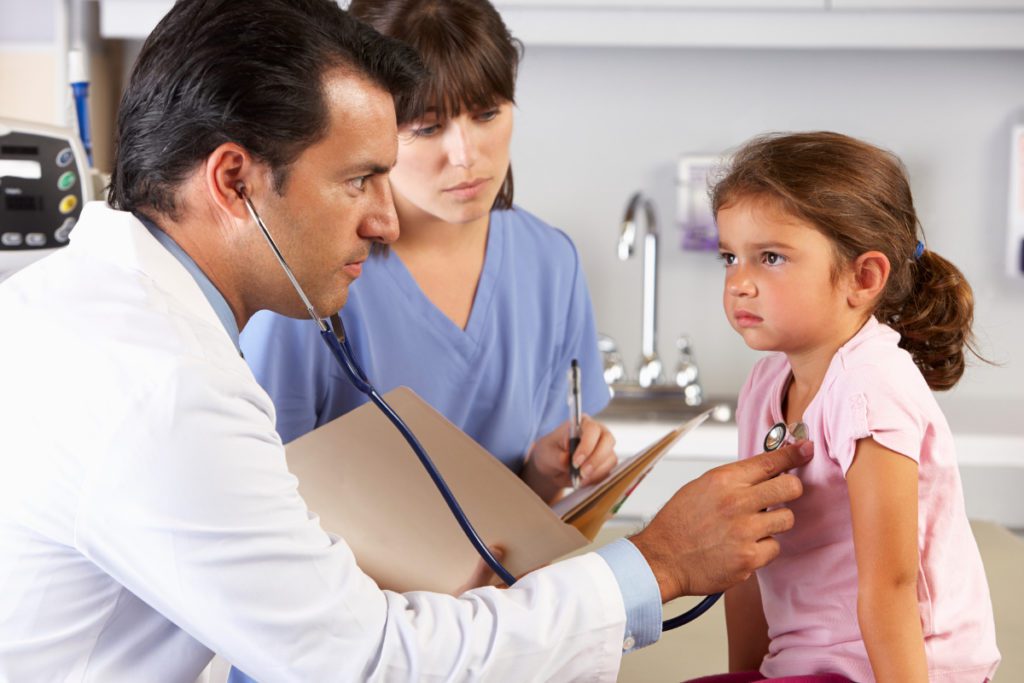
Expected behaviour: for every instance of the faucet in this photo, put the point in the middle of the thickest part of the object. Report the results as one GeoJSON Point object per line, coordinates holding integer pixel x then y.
{"type": "Point", "coordinates": [650, 371]}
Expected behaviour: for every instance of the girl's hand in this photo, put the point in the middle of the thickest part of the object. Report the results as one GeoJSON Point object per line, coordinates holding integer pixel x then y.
{"type": "Point", "coordinates": [547, 465]}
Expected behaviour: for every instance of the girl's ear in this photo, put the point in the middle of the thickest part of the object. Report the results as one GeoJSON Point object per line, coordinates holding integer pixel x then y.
{"type": "Point", "coordinates": [870, 272]}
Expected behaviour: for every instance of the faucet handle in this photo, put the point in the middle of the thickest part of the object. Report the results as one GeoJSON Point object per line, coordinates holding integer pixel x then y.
{"type": "Point", "coordinates": [650, 372]}
{"type": "Point", "coordinates": [614, 368]}
{"type": "Point", "coordinates": [687, 375]}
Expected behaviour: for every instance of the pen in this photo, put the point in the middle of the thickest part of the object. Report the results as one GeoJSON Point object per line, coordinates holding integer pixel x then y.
{"type": "Point", "coordinates": [575, 417]}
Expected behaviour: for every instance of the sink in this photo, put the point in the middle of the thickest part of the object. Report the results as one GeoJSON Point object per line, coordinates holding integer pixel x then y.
{"type": "Point", "coordinates": [663, 403]}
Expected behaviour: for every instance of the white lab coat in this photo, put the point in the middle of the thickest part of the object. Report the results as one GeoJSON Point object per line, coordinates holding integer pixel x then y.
{"type": "Point", "coordinates": [147, 518]}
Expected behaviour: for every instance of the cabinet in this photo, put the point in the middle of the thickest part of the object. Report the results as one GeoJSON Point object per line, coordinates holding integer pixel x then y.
{"type": "Point", "coordinates": [640, 5]}
{"type": "Point", "coordinates": [780, 24]}
{"type": "Point", "coordinates": [956, 5]}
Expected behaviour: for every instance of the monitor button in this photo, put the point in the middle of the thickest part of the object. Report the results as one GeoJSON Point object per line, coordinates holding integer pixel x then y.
{"type": "Point", "coordinates": [35, 239]}
{"type": "Point", "coordinates": [66, 181]}
{"type": "Point", "coordinates": [68, 204]}
{"type": "Point", "coordinates": [11, 239]}
{"type": "Point", "coordinates": [63, 233]}
{"type": "Point", "coordinates": [65, 157]}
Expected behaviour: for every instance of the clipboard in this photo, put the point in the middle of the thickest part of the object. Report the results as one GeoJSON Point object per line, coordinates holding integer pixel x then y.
{"type": "Point", "coordinates": [590, 507]}
{"type": "Point", "coordinates": [368, 487]}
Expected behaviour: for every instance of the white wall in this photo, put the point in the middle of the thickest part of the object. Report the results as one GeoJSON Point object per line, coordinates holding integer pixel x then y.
{"type": "Point", "coordinates": [595, 124]}
{"type": "Point", "coordinates": [29, 86]}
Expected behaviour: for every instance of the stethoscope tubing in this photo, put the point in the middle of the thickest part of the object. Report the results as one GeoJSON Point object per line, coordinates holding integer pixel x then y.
{"type": "Point", "coordinates": [342, 353]}
{"type": "Point", "coordinates": [337, 342]}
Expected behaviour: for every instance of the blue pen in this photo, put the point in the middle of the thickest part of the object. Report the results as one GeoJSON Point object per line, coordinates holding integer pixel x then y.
{"type": "Point", "coordinates": [575, 418]}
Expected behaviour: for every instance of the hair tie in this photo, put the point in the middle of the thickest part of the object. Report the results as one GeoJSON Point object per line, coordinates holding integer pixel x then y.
{"type": "Point", "coordinates": [918, 250]}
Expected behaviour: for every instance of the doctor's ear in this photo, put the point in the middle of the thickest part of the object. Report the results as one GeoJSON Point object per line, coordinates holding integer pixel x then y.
{"type": "Point", "coordinates": [869, 273]}
{"type": "Point", "coordinates": [229, 171]}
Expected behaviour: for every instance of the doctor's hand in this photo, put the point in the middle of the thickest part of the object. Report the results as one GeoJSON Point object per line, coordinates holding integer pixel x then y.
{"type": "Point", "coordinates": [483, 575]}
{"type": "Point", "coordinates": [716, 530]}
{"type": "Point", "coordinates": [547, 466]}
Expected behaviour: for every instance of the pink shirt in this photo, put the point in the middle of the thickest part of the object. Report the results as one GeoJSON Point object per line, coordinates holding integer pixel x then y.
{"type": "Point", "coordinates": [872, 388]}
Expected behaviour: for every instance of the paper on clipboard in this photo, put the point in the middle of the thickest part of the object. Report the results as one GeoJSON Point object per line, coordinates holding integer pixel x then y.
{"type": "Point", "coordinates": [366, 484]}
{"type": "Point", "coordinates": [589, 508]}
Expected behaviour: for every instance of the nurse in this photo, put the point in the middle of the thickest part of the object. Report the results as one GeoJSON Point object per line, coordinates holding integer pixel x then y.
{"type": "Point", "coordinates": [479, 306]}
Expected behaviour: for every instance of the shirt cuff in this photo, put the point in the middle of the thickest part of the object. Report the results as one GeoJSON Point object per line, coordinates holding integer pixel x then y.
{"type": "Point", "coordinates": [640, 593]}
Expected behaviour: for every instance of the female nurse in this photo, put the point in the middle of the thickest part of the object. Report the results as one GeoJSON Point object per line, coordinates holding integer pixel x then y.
{"type": "Point", "coordinates": [479, 306]}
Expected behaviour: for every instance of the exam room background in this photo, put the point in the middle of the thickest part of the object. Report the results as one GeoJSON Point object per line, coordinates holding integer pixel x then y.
{"type": "Point", "coordinates": [595, 124]}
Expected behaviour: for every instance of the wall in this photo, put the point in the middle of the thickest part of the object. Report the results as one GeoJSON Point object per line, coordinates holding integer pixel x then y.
{"type": "Point", "coordinates": [27, 61]}
{"type": "Point", "coordinates": [595, 124]}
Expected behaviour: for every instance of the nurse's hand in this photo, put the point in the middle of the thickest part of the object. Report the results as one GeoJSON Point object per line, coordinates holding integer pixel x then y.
{"type": "Point", "coordinates": [547, 467]}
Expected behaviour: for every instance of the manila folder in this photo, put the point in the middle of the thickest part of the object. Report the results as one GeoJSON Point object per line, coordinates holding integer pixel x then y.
{"type": "Point", "coordinates": [366, 484]}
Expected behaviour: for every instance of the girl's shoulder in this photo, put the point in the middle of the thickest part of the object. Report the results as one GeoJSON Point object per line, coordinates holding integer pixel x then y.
{"type": "Point", "coordinates": [873, 361]}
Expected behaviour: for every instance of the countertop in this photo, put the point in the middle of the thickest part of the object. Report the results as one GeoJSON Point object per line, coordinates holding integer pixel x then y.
{"type": "Point", "coordinates": [988, 433]}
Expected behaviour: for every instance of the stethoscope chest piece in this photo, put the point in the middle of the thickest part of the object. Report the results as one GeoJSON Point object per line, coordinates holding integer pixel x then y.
{"type": "Point", "coordinates": [776, 435]}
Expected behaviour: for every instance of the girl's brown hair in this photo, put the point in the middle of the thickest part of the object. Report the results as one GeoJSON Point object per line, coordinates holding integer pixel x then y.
{"type": "Point", "coordinates": [859, 197]}
{"type": "Point", "coordinates": [471, 57]}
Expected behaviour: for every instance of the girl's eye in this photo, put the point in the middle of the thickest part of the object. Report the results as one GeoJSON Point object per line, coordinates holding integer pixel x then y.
{"type": "Point", "coordinates": [727, 258]}
{"type": "Point", "coordinates": [770, 258]}
{"type": "Point", "coordinates": [488, 115]}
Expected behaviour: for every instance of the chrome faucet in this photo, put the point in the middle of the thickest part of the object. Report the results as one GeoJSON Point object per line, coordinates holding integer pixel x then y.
{"type": "Point", "coordinates": [650, 371]}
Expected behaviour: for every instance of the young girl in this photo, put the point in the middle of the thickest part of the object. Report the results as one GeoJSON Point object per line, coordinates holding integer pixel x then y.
{"type": "Point", "coordinates": [880, 579]}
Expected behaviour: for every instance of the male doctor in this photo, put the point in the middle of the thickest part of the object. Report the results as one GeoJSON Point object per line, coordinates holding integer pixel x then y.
{"type": "Point", "coordinates": [147, 517]}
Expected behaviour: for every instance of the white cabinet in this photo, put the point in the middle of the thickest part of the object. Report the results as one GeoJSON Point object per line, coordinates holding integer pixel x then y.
{"type": "Point", "coordinates": [813, 24]}
{"type": "Point", "coordinates": [641, 5]}
{"type": "Point", "coordinates": [956, 5]}
{"type": "Point", "coordinates": [834, 24]}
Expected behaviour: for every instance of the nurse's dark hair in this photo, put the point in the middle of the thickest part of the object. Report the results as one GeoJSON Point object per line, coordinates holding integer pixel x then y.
{"type": "Point", "coordinates": [216, 71]}
{"type": "Point", "coordinates": [859, 197]}
{"type": "Point", "coordinates": [471, 57]}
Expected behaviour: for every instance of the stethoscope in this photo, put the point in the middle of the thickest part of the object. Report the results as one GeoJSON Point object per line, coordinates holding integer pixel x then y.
{"type": "Point", "coordinates": [337, 342]}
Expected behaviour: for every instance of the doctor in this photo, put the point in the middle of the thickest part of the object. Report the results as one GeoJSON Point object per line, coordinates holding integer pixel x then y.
{"type": "Point", "coordinates": [147, 517]}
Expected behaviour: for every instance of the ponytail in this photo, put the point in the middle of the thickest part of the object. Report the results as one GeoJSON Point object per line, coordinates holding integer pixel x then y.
{"type": "Point", "coordinates": [933, 318]}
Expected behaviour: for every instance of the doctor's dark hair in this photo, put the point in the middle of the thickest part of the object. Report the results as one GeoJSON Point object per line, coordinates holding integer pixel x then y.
{"type": "Point", "coordinates": [858, 196]}
{"type": "Point", "coordinates": [216, 71]}
{"type": "Point", "coordinates": [471, 58]}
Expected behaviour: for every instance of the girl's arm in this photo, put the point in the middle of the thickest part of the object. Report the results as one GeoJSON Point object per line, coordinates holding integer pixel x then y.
{"type": "Point", "coordinates": [883, 504]}
{"type": "Point", "coordinates": [746, 626]}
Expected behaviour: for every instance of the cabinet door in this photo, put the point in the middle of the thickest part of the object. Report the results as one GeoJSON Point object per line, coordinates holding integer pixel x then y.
{"type": "Point", "coordinates": [667, 4]}
{"type": "Point", "coordinates": [954, 5]}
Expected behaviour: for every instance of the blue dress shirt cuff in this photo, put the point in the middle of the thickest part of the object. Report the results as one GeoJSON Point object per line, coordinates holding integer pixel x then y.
{"type": "Point", "coordinates": [640, 593]}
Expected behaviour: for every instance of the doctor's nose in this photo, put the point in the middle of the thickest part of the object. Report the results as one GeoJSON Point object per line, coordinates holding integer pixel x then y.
{"type": "Point", "coordinates": [460, 145]}
{"type": "Point", "coordinates": [381, 222]}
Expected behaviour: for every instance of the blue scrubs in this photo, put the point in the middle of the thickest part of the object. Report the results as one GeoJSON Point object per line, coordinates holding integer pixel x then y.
{"type": "Point", "coordinates": [502, 380]}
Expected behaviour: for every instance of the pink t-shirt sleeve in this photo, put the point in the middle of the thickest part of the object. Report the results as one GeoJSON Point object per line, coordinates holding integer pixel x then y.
{"type": "Point", "coordinates": [868, 401]}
